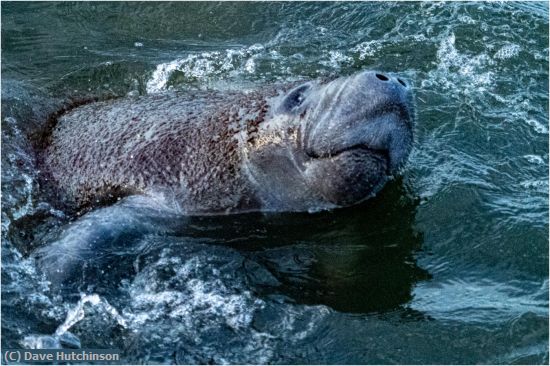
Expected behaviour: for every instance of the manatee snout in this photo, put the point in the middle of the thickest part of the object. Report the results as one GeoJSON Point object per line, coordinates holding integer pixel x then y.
{"type": "Point", "coordinates": [388, 126]}
{"type": "Point", "coordinates": [358, 133]}
{"type": "Point", "coordinates": [370, 111]}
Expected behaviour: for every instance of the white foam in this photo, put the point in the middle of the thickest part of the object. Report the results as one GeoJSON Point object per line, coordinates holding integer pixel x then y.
{"type": "Point", "coordinates": [508, 51]}
{"type": "Point", "coordinates": [534, 159]}
{"type": "Point", "coordinates": [454, 69]}
{"type": "Point", "coordinates": [368, 48]}
{"type": "Point", "coordinates": [250, 66]}
{"type": "Point", "coordinates": [40, 342]}
{"type": "Point", "coordinates": [196, 296]}
{"type": "Point", "coordinates": [537, 126]}
{"type": "Point", "coordinates": [466, 19]}
{"type": "Point", "coordinates": [336, 60]}
{"type": "Point", "coordinates": [371, 48]}
{"type": "Point", "coordinates": [206, 65]}
{"type": "Point", "coordinates": [536, 185]}
{"type": "Point", "coordinates": [74, 315]}
{"type": "Point", "coordinates": [161, 74]}
{"type": "Point", "coordinates": [27, 191]}
{"type": "Point", "coordinates": [24, 204]}
{"type": "Point", "coordinates": [541, 55]}
{"type": "Point", "coordinates": [203, 300]}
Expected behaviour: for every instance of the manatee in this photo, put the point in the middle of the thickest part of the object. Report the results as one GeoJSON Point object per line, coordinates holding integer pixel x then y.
{"type": "Point", "coordinates": [312, 146]}
{"type": "Point", "coordinates": [153, 160]}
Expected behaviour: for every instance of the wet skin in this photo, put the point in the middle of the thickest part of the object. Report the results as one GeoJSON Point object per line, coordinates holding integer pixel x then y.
{"type": "Point", "coordinates": [308, 147]}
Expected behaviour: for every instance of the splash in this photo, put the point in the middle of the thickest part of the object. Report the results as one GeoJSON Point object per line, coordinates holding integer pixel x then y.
{"type": "Point", "coordinates": [206, 65]}
{"type": "Point", "coordinates": [460, 73]}
{"type": "Point", "coordinates": [507, 51]}
{"type": "Point", "coordinates": [62, 337]}
{"type": "Point", "coordinates": [372, 48]}
{"type": "Point", "coordinates": [537, 126]}
{"type": "Point", "coordinates": [336, 59]}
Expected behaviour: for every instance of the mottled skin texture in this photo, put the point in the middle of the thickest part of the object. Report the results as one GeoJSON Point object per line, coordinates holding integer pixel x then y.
{"type": "Point", "coordinates": [313, 146]}
{"type": "Point", "coordinates": [184, 144]}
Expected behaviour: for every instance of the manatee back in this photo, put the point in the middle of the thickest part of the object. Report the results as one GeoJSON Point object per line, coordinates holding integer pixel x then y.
{"type": "Point", "coordinates": [183, 143]}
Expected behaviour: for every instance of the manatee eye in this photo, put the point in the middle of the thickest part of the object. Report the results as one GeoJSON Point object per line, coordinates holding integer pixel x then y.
{"type": "Point", "coordinates": [295, 98]}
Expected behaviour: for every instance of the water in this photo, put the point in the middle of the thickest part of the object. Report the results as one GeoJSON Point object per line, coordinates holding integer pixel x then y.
{"type": "Point", "coordinates": [448, 264]}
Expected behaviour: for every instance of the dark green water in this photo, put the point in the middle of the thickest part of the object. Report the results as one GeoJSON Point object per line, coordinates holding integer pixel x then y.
{"type": "Point", "coordinates": [448, 264]}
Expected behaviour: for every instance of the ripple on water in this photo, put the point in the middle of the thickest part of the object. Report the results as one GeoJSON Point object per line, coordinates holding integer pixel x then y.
{"type": "Point", "coordinates": [537, 126]}
{"type": "Point", "coordinates": [469, 299]}
{"type": "Point", "coordinates": [480, 167]}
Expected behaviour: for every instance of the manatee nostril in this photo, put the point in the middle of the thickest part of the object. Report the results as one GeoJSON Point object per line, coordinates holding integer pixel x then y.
{"type": "Point", "coordinates": [402, 82]}
{"type": "Point", "coordinates": [382, 77]}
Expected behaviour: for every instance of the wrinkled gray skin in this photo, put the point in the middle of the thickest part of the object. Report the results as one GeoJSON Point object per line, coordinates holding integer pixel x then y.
{"type": "Point", "coordinates": [306, 147]}
{"type": "Point", "coordinates": [335, 147]}
{"type": "Point", "coordinates": [316, 146]}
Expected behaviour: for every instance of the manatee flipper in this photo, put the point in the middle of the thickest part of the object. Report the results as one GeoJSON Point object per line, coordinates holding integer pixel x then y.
{"type": "Point", "coordinates": [101, 237]}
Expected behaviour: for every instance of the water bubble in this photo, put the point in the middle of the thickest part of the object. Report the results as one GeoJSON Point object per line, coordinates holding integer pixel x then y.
{"type": "Point", "coordinates": [40, 342]}
{"type": "Point", "coordinates": [539, 127]}
{"type": "Point", "coordinates": [206, 65]}
{"type": "Point", "coordinates": [336, 59]}
{"type": "Point", "coordinates": [466, 19]}
{"type": "Point", "coordinates": [250, 66]}
{"type": "Point", "coordinates": [507, 51]}
{"type": "Point", "coordinates": [62, 338]}
{"type": "Point", "coordinates": [534, 159]}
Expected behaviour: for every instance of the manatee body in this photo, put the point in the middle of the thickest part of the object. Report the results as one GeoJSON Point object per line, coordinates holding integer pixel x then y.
{"type": "Point", "coordinates": [292, 147]}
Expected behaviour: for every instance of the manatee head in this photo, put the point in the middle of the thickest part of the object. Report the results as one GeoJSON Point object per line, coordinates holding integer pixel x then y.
{"type": "Point", "coordinates": [332, 144]}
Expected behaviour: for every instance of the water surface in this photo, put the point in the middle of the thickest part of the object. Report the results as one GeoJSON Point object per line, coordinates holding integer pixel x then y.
{"type": "Point", "coordinates": [448, 264]}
